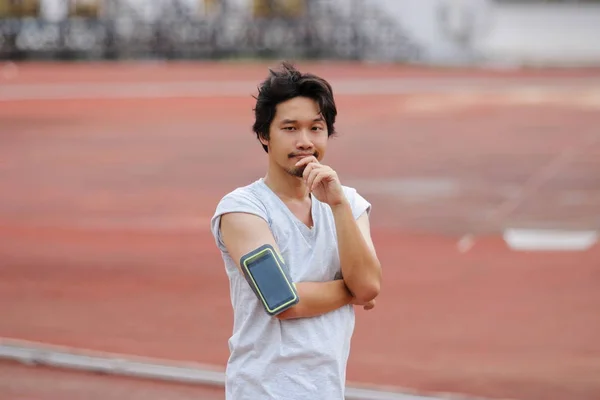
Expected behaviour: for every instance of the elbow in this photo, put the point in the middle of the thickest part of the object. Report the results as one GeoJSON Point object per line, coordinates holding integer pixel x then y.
{"type": "Point", "coordinates": [368, 292]}
{"type": "Point", "coordinates": [369, 289]}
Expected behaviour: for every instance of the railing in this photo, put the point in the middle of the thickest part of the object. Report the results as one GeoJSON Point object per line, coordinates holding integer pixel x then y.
{"type": "Point", "coordinates": [119, 30]}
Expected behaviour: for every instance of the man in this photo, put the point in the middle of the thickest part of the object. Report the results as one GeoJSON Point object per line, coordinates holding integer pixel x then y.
{"type": "Point", "coordinates": [320, 228]}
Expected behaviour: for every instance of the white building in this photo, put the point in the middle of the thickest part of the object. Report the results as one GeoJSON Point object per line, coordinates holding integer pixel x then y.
{"type": "Point", "coordinates": [504, 32]}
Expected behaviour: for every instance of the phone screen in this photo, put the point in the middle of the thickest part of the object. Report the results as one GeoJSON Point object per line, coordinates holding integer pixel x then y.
{"type": "Point", "coordinates": [271, 282]}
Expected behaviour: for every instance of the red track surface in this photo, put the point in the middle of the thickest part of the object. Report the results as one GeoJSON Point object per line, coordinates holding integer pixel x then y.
{"type": "Point", "coordinates": [104, 240]}
{"type": "Point", "coordinates": [20, 382]}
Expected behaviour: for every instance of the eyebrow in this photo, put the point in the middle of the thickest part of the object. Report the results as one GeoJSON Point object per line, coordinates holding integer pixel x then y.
{"type": "Point", "coordinates": [293, 121]}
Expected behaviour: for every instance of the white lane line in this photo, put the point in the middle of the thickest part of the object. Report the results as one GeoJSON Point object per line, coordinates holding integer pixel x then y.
{"type": "Point", "coordinates": [198, 89]}
{"type": "Point", "coordinates": [465, 243]}
{"type": "Point", "coordinates": [32, 353]}
{"type": "Point", "coordinates": [537, 180]}
{"type": "Point", "coordinates": [585, 99]}
{"type": "Point", "coordinates": [549, 239]}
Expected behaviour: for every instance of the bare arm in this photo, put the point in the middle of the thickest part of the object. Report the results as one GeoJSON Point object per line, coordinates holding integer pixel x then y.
{"type": "Point", "coordinates": [360, 266]}
{"type": "Point", "coordinates": [317, 298]}
{"type": "Point", "coordinates": [242, 233]}
{"type": "Point", "coordinates": [359, 263]}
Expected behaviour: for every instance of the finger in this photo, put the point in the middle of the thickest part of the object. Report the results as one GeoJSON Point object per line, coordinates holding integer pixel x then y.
{"type": "Point", "coordinates": [320, 177]}
{"type": "Point", "coordinates": [307, 160]}
{"type": "Point", "coordinates": [326, 174]}
{"type": "Point", "coordinates": [308, 169]}
{"type": "Point", "coordinates": [314, 173]}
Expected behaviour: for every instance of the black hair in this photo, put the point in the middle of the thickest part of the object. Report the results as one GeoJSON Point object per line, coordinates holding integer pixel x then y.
{"type": "Point", "coordinates": [284, 84]}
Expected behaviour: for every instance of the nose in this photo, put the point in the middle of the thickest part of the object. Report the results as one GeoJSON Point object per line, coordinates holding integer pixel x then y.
{"type": "Point", "coordinates": [304, 141]}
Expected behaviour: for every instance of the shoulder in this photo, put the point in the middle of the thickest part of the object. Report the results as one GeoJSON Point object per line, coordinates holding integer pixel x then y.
{"type": "Point", "coordinates": [246, 199]}
{"type": "Point", "coordinates": [250, 190]}
{"type": "Point", "coordinates": [349, 191]}
{"type": "Point", "coordinates": [359, 204]}
{"type": "Point", "coordinates": [244, 196]}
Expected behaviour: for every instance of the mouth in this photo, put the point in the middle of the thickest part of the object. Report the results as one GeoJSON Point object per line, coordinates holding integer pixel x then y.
{"type": "Point", "coordinates": [300, 155]}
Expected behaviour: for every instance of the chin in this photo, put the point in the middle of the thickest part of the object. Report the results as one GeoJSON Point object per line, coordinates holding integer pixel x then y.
{"type": "Point", "coordinates": [297, 172]}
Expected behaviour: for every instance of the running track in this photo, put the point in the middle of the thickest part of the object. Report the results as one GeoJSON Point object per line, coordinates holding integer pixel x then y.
{"type": "Point", "coordinates": [109, 174]}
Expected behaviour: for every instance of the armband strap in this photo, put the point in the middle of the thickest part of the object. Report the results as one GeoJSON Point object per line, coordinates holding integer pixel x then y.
{"type": "Point", "coordinates": [268, 276]}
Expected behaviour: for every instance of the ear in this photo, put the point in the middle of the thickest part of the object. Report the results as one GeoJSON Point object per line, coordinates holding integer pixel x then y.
{"type": "Point", "coordinates": [263, 140]}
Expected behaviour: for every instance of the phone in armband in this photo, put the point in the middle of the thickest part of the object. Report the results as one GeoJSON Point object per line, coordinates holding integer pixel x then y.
{"type": "Point", "coordinates": [267, 274]}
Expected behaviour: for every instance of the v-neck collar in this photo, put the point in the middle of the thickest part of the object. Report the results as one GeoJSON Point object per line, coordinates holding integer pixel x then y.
{"type": "Point", "coordinates": [308, 232]}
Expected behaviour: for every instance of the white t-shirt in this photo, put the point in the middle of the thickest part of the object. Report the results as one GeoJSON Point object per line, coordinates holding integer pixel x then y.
{"type": "Point", "coordinates": [299, 359]}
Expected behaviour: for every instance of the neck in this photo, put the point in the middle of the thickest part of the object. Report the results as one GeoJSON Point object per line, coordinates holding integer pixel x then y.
{"type": "Point", "coordinates": [284, 184]}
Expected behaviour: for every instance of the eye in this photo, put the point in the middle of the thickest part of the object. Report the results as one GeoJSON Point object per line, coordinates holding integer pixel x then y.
{"type": "Point", "coordinates": [317, 128]}
{"type": "Point", "coordinates": [288, 128]}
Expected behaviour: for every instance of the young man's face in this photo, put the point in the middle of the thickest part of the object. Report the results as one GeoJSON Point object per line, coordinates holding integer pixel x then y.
{"type": "Point", "coordinates": [298, 130]}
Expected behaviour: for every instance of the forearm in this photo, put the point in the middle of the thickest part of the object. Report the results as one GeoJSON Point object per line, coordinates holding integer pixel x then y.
{"type": "Point", "coordinates": [317, 298]}
{"type": "Point", "coordinates": [359, 264]}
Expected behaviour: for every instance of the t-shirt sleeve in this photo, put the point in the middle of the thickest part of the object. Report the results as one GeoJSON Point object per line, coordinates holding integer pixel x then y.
{"type": "Point", "coordinates": [358, 203]}
{"type": "Point", "coordinates": [236, 201]}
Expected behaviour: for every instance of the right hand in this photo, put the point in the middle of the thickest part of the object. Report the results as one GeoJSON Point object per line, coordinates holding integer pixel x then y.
{"type": "Point", "coordinates": [366, 306]}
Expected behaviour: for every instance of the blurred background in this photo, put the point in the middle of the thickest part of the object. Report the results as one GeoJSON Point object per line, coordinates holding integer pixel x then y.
{"type": "Point", "coordinates": [472, 126]}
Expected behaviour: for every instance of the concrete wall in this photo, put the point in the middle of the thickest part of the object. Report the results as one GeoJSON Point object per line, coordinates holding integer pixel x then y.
{"type": "Point", "coordinates": [476, 31]}
{"type": "Point", "coordinates": [444, 29]}
{"type": "Point", "coordinates": [557, 34]}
